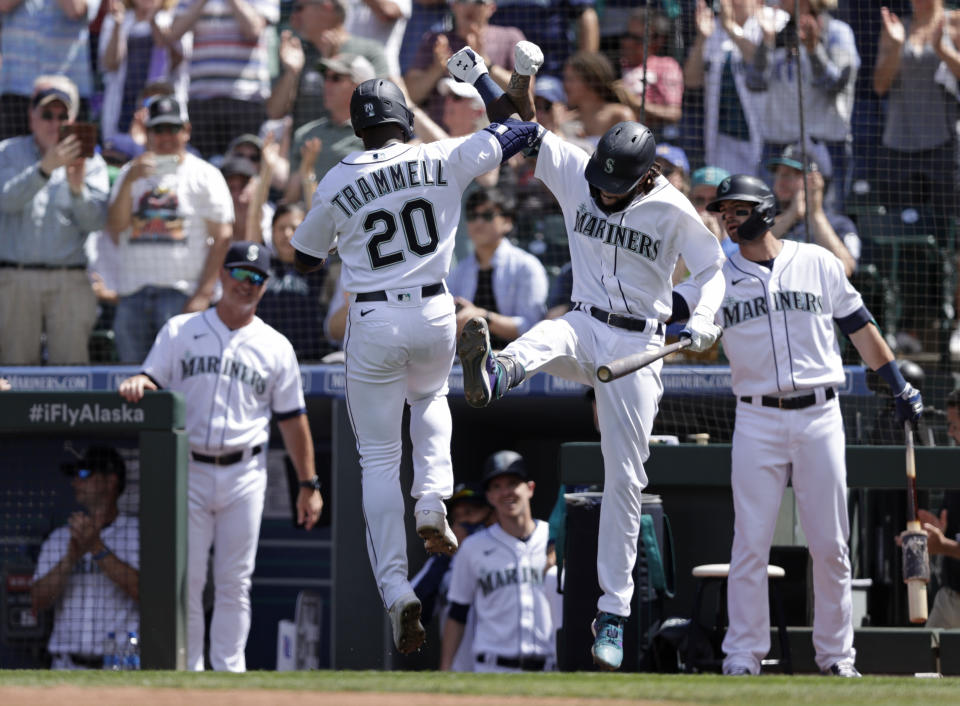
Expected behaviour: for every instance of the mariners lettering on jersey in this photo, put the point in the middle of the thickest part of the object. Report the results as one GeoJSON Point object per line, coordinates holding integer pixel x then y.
{"type": "Point", "coordinates": [738, 311]}
{"type": "Point", "coordinates": [593, 226]}
{"type": "Point", "coordinates": [211, 364]}
{"type": "Point", "coordinates": [511, 576]}
{"type": "Point", "coordinates": [386, 180]}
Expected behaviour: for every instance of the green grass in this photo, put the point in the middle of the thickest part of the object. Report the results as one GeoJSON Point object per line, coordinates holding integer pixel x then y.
{"type": "Point", "coordinates": [705, 689]}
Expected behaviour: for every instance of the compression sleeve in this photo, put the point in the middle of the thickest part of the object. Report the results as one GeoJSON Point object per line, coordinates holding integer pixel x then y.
{"type": "Point", "coordinates": [855, 321]}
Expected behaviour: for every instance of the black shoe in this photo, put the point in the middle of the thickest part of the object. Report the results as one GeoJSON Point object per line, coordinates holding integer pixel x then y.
{"type": "Point", "coordinates": [842, 669]}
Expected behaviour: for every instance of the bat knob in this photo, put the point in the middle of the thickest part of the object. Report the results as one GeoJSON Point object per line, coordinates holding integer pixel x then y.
{"type": "Point", "coordinates": [603, 373]}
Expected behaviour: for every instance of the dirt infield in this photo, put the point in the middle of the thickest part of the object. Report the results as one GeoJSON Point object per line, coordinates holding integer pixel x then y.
{"type": "Point", "coordinates": [98, 696]}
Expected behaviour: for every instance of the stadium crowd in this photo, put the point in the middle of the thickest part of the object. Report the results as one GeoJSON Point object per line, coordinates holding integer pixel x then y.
{"type": "Point", "coordinates": [216, 118]}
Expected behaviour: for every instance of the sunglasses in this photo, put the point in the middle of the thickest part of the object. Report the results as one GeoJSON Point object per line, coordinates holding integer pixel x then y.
{"type": "Point", "coordinates": [252, 156]}
{"type": "Point", "coordinates": [482, 215]}
{"type": "Point", "coordinates": [81, 473]}
{"type": "Point", "coordinates": [244, 275]}
{"type": "Point", "coordinates": [166, 129]}
{"type": "Point", "coordinates": [335, 78]}
{"type": "Point", "coordinates": [49, 116]}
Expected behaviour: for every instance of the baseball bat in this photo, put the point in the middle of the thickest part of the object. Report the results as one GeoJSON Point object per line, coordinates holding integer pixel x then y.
{"type": "Point", "coordinates": [631, 363]}
{"type": "Point", "coordinates": [916, 561]}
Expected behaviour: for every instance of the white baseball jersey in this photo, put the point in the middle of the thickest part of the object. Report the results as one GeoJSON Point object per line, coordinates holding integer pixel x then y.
{"type": "Point", "coordinates": [781, 320]}
{"type": "Point", "coordinates": [623, 262]}
{"type": "Point", "coordinates": [231, 380]}
{"type": "Point", "coordinates": [393, 213]}
{"type": "Point", "coordinates": [502, 579]}
{"type": "Point", "coordinates": [92, 604]}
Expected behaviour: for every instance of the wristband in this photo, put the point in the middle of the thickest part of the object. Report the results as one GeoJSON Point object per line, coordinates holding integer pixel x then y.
{"type": "Point", "coordinates": [46, 177]}
{"type": "Point", "coordinates": [891, 374]}
{"type": "Point", "coordinates": [102, 554]}
{"type": "Point", "coordinates": [312, 484]}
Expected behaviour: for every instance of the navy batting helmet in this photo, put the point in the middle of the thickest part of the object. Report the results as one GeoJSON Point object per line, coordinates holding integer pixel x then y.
{"type": "Point", "coordinates": [623, 157]}
{"type": "Point", "coordinates": [741, 187]}
{"type": "Point", "coordinates": [379, 101]}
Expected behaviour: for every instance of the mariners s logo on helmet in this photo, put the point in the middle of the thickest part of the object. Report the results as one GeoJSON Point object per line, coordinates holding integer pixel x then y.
{"type": "Point", "coordinates": [608, 166]}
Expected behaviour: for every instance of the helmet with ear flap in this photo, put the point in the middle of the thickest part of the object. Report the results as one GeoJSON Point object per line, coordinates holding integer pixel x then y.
{"type": "Point", "coordinates": [741, 187]}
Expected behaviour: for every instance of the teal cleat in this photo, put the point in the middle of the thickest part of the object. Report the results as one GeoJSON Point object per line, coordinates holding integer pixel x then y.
{"type": "Point", "coordinates": [607, 647]}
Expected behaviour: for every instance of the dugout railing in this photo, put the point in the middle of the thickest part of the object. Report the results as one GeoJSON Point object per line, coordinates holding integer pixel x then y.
{"type": "Point", "coordinates": [157, 426]}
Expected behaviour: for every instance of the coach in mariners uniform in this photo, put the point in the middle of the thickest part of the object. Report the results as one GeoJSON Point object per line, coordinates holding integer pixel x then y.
{"type": "Point", "coordinates": [782, 301]}
{"type": "Point", "coordinates": [234, 372]}
{"type": "Point", "coordinates": [499, 572]}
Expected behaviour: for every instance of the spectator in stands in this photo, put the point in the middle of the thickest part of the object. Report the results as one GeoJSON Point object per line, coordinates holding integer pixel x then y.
{"type": "Point", "coordinates": [468, 511]}
{"type": "Point", "coordinates": [662, 80]}
{"type": "Point", "coordinates": [717, 62]}
{"type": "Point", "coordinates": [131, 54]}
{"type": "Point", "coordinates": [294, 303]}
{"type": "Point", "coordinates": [322, 34]}
{"type": "Point", "coordinates": [471, 26]}
{"type": "Point", "coordinates": [425, 16]}
{"type": "Point", "coordinates": [42, 37]}
{"type": "Point", "coordinates": [560, 300]}
{"type": "Point", "coordinates": [829, 229]}
{"type": "Point", "coordinates": [914, 63]}
{"type": "Point", "coordinates": [828, 66]}
{"type": "Point", "coordinates": [138, 123]}
{"type": "Point", "coordinates": [383, 21]}
{"type": "Point", "coordinates": [88, 570]}
{"type": "Point", "coordinates": [483, 555]}
{"type": "Point", "coordinates": [500, 282]}
{"type": "Point", "coordinates": [171, 215]}
{"type": "Point", "coordinates": [229, 68]}
{"type": "Point", "coordinates": [674, 166]}
{"type": "Point", "coordinates": [252, 216]}
{"type": "Point", "coordinates": [943, 537]}
{"type": "Point", "coordinates": [559, 27]}
{"type": "Point", "coordinates": [550, 102]}
{"type": "Point", "coordinates": [588, 82]}
{"type": "Point", "coordinates": [51, 198]}
{"type": "Point", "coordinates": [342, 74]}
{"type": "Point", "coordinates": [703, 190]}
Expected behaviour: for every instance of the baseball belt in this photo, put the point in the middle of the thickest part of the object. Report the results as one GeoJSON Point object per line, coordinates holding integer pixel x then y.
{"type": "Point", "coordinates": [620, 320]}
{"type": "Point", "coordinates": [227, 459]}
{"type": "Point", "coordinates": [6, 264]}
{"type": "Point", "coordinates": [428, 290]}
{"type": "Point", "coordinates": [527, 664]}
{"type": "Point", "coordinates": [799, 402]}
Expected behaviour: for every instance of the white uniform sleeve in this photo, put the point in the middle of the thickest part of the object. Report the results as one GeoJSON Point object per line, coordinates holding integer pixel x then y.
{"type": "Point", "coordinates": [462, 580]}
{"type": "Point", "coordinates": [844, 299]}
{"type": "Point", "coordinates": [704, 258]}
{"type": "Point", "coordinates": [315, 235]}
{"type": "Point", "coordinates": [560, 167]}
{"type": "Point", "coordinates": [159, 362]}
{"type": "Point", "coordinates": [287, 395]}
{"type": "Point", "coordinates": [475, 155]}
{"type": "Point", "coordinates": [50, 554]}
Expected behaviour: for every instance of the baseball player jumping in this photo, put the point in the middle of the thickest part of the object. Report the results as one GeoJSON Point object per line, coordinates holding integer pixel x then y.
{"type": "Point", "coordinates": [392, 212]}
{"type": "Point", "coordinates": [782, 301]}
{"type": "Point", "coordinates": [626, 226]}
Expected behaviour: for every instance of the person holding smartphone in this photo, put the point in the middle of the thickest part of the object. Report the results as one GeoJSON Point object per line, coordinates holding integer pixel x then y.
{"type": "Point", "coordinates": [51, 197]}
{"type": "Point", "coordinates": [166, 205]}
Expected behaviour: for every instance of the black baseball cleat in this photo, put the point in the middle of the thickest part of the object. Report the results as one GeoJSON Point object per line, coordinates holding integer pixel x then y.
{"type": "Point", "coordinates": [480, 371]}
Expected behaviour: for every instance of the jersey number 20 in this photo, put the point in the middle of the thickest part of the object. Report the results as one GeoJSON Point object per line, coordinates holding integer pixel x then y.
{"type": "Point", "coordinates": [379, 259]}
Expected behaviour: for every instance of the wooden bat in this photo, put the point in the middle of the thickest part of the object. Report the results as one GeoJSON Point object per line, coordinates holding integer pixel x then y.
{"type": "Point", "coordinates": [916, 561]}
{"type": "Point", "coordinates": [631, 363]}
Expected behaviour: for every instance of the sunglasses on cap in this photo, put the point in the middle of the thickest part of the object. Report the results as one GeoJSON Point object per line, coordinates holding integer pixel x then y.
{"type": "Point", "coordinates": [241, 274]}
{"type": "Point", "coordinates": [81, 473]}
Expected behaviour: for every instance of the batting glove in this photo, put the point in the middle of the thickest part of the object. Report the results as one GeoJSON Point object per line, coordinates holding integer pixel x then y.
{"type": "Point", "coordinates": [527, 58]}
{"type": "Point", "coordinates": [702, 333]}
{"type": "Point", "coordinates": [909, 405]}
{"type": "Point", "coordinates": [466, 65]}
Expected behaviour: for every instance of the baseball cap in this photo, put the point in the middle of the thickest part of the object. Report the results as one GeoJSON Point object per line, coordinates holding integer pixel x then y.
{"type": "Point", "coordinates": [674, 155]}
{"type": "Point", "coordinates": [467, 492]}
{"type": "Point", "coordinates": [238, 165]}
{"type": "Point", "coordinates": [123, 145]}
{"type": "Point", "coordinates": [352, 65]}
{"type": "Point", "coordinates": [253, 256]}
{"type": "Point", "coordinates": [49, 95]}
{"type": "Point", "coordinates": [448, 86]}
{"type": "Point", "coordinates": [165, 110]}
{"type": "Point", "coordinates": [550, 88]}
{"type": "Point", "coordinates": [792, 156]}
{"type": "Point", "coordinates": [711, 176]}
{"type": "Point", "coordinates": [97, 459]}
{"type": "Point", "coordinates": [245, 139]}
{"type": "Point", "coordinates": [503, 463]}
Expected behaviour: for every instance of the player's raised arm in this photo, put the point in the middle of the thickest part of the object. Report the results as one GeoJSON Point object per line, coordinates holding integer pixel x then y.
{"type": "Point", "coordinates": [467, 66]}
